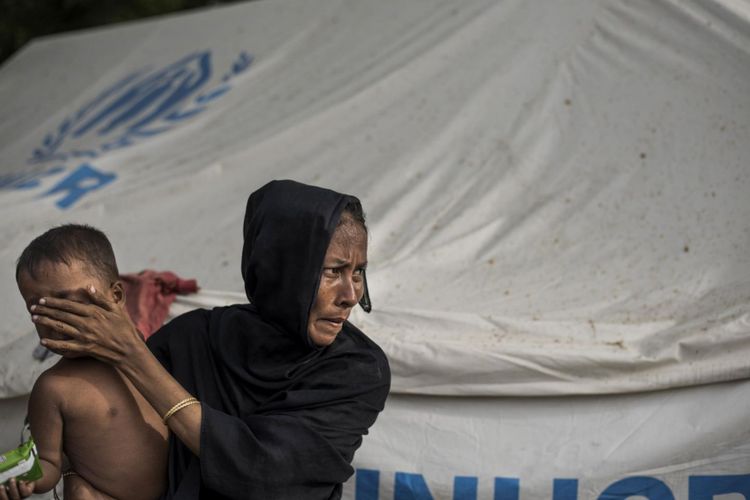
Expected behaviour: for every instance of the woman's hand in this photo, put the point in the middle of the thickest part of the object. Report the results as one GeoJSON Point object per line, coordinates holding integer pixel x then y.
{"type": "Point", "coordinates": [15, 490]}
{"type": "Point", "coordinates": [101, 329]}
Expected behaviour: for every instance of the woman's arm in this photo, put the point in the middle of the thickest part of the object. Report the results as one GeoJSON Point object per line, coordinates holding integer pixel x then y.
{"type": "Point", "coordinates": [162, 391]}
{"type": "Point", "coordinates": [104, 330]}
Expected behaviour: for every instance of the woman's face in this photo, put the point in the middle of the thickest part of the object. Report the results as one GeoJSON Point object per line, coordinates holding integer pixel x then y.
{"type": "Point", "coordinates": [341, 282]}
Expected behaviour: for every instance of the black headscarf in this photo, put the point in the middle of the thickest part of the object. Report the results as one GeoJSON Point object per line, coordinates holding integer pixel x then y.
{"type": "Point", "coordinates": [281, 417]}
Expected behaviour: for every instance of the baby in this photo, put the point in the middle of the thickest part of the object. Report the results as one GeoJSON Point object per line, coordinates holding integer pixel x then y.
{"type": "Point", "coordinates": [114, 441]}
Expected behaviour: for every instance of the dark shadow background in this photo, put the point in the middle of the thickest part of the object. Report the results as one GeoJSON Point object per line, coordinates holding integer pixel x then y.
{"type": "Point", "coordinates": [22, 20]}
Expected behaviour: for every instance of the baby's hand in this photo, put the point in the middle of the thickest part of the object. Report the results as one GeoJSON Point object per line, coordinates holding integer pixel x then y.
{"type": "Point", "coordinates": [15, 490]}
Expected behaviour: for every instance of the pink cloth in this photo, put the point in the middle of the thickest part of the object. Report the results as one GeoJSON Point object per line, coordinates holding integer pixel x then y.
{"type": "Point", "coordinates": [149, 294]}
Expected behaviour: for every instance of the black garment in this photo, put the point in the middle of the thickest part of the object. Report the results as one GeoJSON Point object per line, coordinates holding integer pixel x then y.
{"type": "Point", "coordinates": [281, 417]}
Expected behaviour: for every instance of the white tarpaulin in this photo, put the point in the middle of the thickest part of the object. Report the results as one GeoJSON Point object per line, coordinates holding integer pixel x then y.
{"type": "Point", "coordinates": [557, 195]}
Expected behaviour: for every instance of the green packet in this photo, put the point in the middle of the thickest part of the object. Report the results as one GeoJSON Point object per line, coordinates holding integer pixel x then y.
{"type": "Point", "coordinates": [21, 463]}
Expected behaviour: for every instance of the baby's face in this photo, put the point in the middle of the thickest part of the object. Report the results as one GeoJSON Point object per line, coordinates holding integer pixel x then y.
{"type": "Point", "coordinates": [61, 281]}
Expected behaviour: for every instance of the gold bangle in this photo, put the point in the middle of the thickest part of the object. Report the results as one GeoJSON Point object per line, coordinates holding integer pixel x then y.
{"type": "Point", "coordinates": [179, 406]}
{"type": "Point", "coordinates": [69, 473]}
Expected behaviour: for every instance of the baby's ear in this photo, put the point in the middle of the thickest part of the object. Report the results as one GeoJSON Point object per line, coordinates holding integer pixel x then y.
{"type": "Point", "coordinates": [118, 292]}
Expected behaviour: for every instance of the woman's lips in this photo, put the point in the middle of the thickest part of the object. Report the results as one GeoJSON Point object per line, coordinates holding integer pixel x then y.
{"type": "Point", "coordinates": [338, 322]}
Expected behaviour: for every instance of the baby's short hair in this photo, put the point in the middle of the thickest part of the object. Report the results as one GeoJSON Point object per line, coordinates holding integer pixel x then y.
{"type": "Point", "coordinates": [69, 242]}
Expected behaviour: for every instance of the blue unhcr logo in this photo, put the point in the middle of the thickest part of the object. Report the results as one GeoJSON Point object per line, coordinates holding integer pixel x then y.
{"type": "Point", "coordinates": [408, 486]}
{"type": "Point", "coordinates": [140, 106]}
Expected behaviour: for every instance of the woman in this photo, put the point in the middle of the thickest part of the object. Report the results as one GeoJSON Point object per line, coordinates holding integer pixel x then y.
{"type": "Point", "coordinates": [267, 400]}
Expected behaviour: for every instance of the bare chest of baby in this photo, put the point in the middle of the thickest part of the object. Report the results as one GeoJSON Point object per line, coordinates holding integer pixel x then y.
{"type": "Point", "coordinates": [111, 435]}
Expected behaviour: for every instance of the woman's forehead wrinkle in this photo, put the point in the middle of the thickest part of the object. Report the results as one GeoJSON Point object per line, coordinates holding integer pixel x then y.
{"type": "Point", "coordinates": [339, 253]}
{"type": "Point", "coordinates": [346, 251]}
{"type": "Point", "coordinates": [337, 261]}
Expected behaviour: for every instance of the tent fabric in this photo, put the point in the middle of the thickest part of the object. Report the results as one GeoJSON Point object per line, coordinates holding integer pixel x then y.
{"type": "Point", "coordinates": [689, 443]}
{"type": "Point", "coordinates": [557, 198]}
{"type": "Point", "coordinates": [557, 192]}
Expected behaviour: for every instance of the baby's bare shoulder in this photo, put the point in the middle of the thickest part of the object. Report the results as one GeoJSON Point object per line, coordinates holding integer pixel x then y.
{"type": "Point", "coordinates": [52, 381]}
{"type": "Point", "coordinates": [74, 378]}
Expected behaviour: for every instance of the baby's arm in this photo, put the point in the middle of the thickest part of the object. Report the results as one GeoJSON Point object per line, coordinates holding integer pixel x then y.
{"type": "Point", "coordinates": [46, 423]}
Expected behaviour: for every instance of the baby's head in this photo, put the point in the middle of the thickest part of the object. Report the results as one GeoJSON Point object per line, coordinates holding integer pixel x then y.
{"type": "Point", "coordinates": [64, 261]}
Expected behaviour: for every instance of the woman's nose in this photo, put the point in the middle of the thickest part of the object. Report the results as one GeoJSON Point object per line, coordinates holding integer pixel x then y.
{"type": "Point", "coordinates": [348, 292]}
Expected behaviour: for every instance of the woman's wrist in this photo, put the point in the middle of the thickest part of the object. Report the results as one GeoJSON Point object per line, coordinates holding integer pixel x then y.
{"type": "Point", "coordinates": [151, 379]}
{"type": "Point", "coordinates": [135, 360]}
